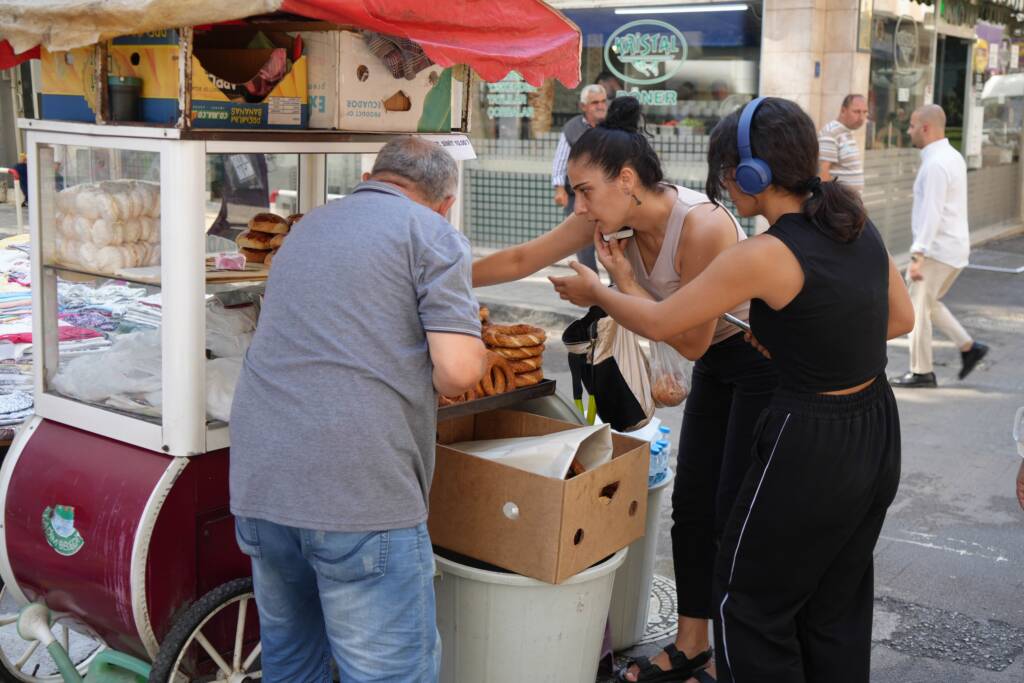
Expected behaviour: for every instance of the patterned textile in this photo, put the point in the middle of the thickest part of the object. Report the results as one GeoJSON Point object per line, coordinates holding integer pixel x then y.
{"type": "Point", "coordinates": [401, 56]}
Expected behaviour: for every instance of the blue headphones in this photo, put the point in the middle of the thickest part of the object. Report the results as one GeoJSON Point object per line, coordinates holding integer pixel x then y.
{"type": "Point", "coordinates": [752, 175]}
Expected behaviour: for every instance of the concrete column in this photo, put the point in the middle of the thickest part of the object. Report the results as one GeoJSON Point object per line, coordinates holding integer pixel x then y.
{"type": "Point", "coordinates": [809, 55]}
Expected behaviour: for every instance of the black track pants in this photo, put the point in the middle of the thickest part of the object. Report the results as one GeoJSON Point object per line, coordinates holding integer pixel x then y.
{"type": "Point", "coordinates": [794, 575]}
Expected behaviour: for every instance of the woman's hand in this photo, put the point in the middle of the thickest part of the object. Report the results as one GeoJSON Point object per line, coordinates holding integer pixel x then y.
{"type": "Point", "coordinates": [752, 340]}
{"type": "Point", "coordinates": [580, 289]}
{"type": "Point", "coordinates": [613, 257]}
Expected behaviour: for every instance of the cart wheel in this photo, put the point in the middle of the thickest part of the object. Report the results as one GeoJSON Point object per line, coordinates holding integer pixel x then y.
{"type": "Point", "coordinates": [22, 661]}
{"type": "Point", "coordinates": [216, 639]}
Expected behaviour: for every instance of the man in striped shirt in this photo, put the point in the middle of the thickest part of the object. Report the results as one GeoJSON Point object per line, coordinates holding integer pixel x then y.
{"type": "Point", "coordinates": [594, 104]}
{"type": "Point", "coordinates": [839, 156]}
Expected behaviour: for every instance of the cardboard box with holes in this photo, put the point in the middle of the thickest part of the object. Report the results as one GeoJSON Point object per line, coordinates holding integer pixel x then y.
{"type": "Point", "coordinates": [544, 527]}
{"type": "Point", "coordinates": [354, 88]}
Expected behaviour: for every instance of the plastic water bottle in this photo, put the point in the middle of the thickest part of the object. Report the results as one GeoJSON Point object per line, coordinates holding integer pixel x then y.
{"type": "Point", "coordinates": [664, 436]}
{"type": "Point", "coordinates": [657, 460]}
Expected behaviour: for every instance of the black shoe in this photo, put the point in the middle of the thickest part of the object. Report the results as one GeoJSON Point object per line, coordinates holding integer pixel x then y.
{"type": "Point", "coordinates": [913, 380]}
{"type": "Point", "coordinates": [971, 357]}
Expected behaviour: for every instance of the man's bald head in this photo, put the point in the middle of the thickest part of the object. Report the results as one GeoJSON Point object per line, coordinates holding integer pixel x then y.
{"type": "Point", "coordinates": [927, 124]}
{"type": "Point", "coordinates": [932, 115]}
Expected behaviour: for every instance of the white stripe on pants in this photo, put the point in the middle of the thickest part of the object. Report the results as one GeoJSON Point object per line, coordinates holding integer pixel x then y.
{"type": "Point", "coordinates": [925, 295]}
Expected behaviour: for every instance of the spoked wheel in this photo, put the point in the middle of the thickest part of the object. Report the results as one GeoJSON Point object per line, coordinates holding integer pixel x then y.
{"type": "Point", "coordinates": [23, 661]}
{"type": "Point", "coordinates": [216, 639]}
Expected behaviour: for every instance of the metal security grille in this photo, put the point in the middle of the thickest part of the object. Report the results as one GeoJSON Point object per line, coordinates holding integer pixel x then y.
{"type": "Point", "coordinates": [508, 208]}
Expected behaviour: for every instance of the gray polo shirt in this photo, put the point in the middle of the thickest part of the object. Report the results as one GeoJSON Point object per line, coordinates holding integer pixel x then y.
{"type": "Point", "coordinates": [334, 417]}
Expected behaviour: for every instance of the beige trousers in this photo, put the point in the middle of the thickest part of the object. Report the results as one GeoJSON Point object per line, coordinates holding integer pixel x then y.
{"type": "Point", "coordinates": [926, 296]}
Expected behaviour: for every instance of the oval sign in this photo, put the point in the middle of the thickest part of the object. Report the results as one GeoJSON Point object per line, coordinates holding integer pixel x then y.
{"type": "Point", "coordinates": [648, 45]}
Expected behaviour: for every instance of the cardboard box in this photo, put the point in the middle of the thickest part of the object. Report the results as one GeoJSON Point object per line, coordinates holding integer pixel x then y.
{"type": "Point", "coordinates": [153, 57]}
{"type": "Point", "coordinates": [67, 87]}
{"type": "Point", "coordinates": [351, 89]}
{"type": "Point", "coordinates": [547, 529]}
{"type": "Point", "coordinates": [67, 90]}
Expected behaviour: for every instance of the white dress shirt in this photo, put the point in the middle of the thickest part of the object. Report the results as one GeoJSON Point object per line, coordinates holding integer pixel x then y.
{"type": "Point", "coordinates": [939, 218]}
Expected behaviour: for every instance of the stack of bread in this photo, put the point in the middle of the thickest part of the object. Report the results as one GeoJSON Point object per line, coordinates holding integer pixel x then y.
{"type": "Point", "coordinates": [108, 226]}
{"type": "Point", "coordinates": [265, 236]}
{"type": "Point", "coordinates": [521, 345]}
{"type": "Point", "coordinates": [514, 359]}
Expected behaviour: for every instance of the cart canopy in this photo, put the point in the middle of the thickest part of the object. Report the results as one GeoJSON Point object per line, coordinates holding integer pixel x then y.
{"type": "Point", "coordinates": [491, 36]}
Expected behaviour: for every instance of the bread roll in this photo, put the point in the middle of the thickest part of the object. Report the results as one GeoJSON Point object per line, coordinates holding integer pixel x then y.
{"type": "Point", "coordinates": [269, 258]}
{"type": "Point", "coordinates": [105, 233]}
{"type": "Point", "coordinates": [277, 241]}
{"type": "Point", "coordinates": [254, 255]}
{"type": "Point", "coordinates": [82, 229]}
{"type": "Point", "coordinates": [87, 255]}
{"type": "Point", "coordinates": [86, 204]}
{"type": "Point", "coordinates": [111, 259]}
{"type": "Point", "coordinates": [294, 218]}
{"type": "Point", "coordinates": [252, 239]}
{"type": "Point", "coordinates": [132, 230]}
{"type": "Point", "coordinates": [268, 222]}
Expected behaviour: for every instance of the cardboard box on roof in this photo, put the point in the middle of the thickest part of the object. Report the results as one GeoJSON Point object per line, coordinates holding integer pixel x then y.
{"type": "Point", "coordinates": [67, 90]}
{"type": "Point", "coordinates": [350, 88]}
{"type": "Point", "coordinates": [219, 58]}
{"type": "Point", "coordinates": [67, 86]}
{"type": "Point", "coordinates": [544, 528]}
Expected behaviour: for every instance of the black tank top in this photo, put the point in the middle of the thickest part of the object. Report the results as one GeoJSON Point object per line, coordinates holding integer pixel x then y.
{"type": "Point", "coordinates": [832, 335]}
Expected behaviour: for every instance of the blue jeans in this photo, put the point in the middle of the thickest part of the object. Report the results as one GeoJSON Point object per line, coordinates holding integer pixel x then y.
{"type": "Point", "coordinates": [366, 598]}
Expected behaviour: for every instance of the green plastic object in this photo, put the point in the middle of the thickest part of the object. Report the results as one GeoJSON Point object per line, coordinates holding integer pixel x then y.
{"type": "Point", "coordinates": [111, 666]}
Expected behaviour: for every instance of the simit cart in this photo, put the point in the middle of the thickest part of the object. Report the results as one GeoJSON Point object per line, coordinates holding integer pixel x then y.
{"type": "Point", "coordinates": [115, 508]}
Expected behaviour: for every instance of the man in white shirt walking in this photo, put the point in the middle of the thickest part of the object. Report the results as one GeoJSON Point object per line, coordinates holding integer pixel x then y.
{"type": "Point", "coordinates": [941, 247]}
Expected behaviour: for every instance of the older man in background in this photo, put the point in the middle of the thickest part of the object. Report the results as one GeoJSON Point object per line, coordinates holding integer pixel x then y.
{"type": "Point", "coordinates": [839, 155]}
{"type": "Point", "coordinates": [594, 105]}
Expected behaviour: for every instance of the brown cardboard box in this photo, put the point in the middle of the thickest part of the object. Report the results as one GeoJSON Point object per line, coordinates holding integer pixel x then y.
{"type": "Point", "coordinates": [562, 526]}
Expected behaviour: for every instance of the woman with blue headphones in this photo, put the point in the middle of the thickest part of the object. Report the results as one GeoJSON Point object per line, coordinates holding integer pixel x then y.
{"type": "Point", "coordinates": [794, 581]}
{"type": "Point", "coordinates": [675, 233]}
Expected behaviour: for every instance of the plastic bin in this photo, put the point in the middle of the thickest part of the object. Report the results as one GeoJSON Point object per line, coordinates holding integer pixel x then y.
{"type": "Point", "coordinates": [501, 627]}
{"type": "Point", "coordinates": [631, 596]}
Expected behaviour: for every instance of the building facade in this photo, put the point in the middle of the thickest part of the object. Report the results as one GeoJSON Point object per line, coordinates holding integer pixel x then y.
{"type": "Point", "coordinates": [691, 63]}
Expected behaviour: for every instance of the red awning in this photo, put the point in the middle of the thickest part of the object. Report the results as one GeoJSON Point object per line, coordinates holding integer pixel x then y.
{"type": "Point", "coordinates": [491, 36]}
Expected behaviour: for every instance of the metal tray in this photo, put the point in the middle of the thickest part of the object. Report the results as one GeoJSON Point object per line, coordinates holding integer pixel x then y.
{"type": "Point", "coordinates": [545, 387]}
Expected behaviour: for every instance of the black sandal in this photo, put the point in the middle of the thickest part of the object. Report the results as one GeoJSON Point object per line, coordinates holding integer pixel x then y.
{"type": "Point", "coordinates": [682, 667]}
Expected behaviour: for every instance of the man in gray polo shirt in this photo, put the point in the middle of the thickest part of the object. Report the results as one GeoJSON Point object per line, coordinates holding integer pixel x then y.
{"type": "Point", "coordinates": [369, 311]}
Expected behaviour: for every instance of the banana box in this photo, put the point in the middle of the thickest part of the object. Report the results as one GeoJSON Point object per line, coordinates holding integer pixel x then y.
{"type": "Point", "coordinates": [226, 80]}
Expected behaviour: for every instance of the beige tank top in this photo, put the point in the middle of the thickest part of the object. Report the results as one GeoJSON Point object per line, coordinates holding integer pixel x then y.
{"type": "Point", "coordinates": [663, 279]}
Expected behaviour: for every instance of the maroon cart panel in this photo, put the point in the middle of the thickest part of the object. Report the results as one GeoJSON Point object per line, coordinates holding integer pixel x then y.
{"type": "Point", "coordinates": [80, 559]}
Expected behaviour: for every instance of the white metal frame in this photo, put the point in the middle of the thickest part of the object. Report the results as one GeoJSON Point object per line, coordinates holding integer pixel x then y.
{"type": "Point", "coordinates": [183, 430]}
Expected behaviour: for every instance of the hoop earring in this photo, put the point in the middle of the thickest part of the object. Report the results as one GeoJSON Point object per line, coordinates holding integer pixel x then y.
{"type": "Point", "coordinates": [636, 199]}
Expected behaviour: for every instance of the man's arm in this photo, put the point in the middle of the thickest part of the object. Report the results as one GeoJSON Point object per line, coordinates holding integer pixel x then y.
{"type": "Point", "coordinates": [828, 154]}
{"type": "Point", "coordinates": [558, 169]}
{"type": "Point", "coordinates": [458, 361]}
{"type": "Point", "coordinates": [823, 170]}
{"type": "Point", "coordinates": [929, 214]}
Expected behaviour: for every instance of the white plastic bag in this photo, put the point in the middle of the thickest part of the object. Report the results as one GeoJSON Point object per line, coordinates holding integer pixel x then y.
{"type": "Point", "coordinates": [670, 375]}
{"type": "Point", "coordinates": [221, 377]}
{"type": "Point", "coordinates": [549, 455]}
{"type": "Point", "coordinates": [229, 330]}
{"type": "Point", "coordinates": [130, 367]}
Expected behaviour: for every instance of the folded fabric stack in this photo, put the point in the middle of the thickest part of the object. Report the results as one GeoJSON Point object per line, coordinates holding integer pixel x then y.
{"type": "Point", "coordinates": [15, 408]}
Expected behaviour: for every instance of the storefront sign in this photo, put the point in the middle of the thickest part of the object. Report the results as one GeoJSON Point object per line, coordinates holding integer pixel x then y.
{"type": "Point", "coordinates": [649, 51]}
{"type": "Point", "coordinates": [905, 42]}
{"type": "Point", "coordinates": [59, 530]}
{"type": "Point", "coordinates": [507, 97]}
{"type": "Point", "coordinates": [651, 97]}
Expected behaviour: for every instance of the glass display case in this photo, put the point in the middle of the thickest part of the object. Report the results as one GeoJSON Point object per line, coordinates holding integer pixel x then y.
{"type": "Point", "coordinates": [140, 322]}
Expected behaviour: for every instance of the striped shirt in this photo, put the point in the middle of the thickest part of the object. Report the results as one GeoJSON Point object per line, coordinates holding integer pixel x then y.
{"type": "Point", "coordinates": [838, 146]}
